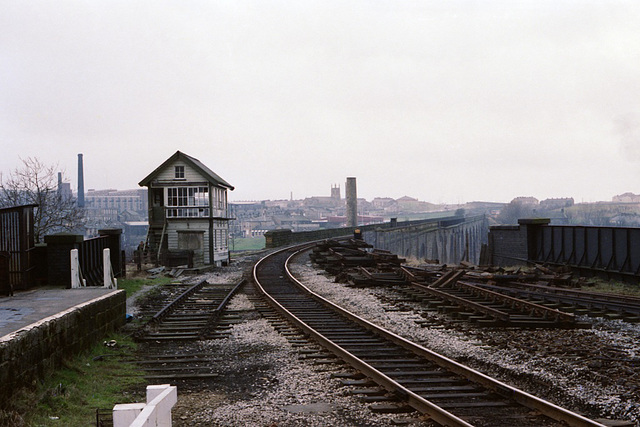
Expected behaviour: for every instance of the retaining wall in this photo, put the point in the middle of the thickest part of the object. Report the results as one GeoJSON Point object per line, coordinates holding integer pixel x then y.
{"type": "Point", "coordinates": [33, 352]}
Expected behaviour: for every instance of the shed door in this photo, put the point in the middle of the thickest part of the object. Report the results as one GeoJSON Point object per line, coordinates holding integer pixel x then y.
{"type": "Point", "coordinates": [193, 240]}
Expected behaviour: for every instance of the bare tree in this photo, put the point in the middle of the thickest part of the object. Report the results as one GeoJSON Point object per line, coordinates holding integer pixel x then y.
{"type": "Point", "coordinates": [36, 183]}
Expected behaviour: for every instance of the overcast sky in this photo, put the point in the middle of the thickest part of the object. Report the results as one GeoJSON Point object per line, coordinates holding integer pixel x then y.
{"type": "Point", "coordinates": [443, 101]}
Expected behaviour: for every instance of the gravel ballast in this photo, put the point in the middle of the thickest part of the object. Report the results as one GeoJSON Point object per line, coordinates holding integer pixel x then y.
{"type": "Point", "coordinates": [577, 368]}
{"type": "Point", "coordinates": [264, 381]}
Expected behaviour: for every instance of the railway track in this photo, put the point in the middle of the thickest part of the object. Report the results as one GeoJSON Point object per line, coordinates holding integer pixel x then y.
{"type": "Point", "coordinates": [188, 313]}
{"type": "Point", "coordinates": [496, 300]}
{"type": "Point", "coordinates": [441, 290]}
{"type": "Point", "coordinates": [597, 304]}
{"type": "Point", "coordinates": [471, 302]}
{"type": "Point", "coordinates": [448, 392]}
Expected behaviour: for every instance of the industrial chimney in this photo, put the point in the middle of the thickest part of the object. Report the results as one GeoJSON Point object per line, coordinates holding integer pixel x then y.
{"type": "Point", "coordinates": [80, 182]}
{"type": "Point", "coordinates": [352, 202]}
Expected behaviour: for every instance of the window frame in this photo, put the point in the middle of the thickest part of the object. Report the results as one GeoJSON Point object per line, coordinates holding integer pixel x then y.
{"type": "Point", "coordinates": [187, 202]}
{"type": "Point", "coordinates": [179, 172]}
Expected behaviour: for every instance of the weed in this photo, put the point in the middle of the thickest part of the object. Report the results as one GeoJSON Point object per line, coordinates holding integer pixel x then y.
{"type": "Point", "coordinates": [612, 287]}
{"type": "Point", "coordinates": [135, 285]}
{"type": "Point", "coordinates": [99, 378]}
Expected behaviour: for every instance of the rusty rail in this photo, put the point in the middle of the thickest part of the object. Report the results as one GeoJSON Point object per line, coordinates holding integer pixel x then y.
{"type": "Point", "coordinates": [479, 308]}
{"type": "Point", "coordinates": [540, 310]}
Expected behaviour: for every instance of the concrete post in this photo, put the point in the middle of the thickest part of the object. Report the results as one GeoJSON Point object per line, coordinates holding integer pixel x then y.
{"type": "Point", "coordinates": [156, 412]}
{"type": "Point", "coordinates": [352, 202]}
{"type": "Point", "coordinates": [109, 281]}
{"type": "Point", "coordinates": [77, 281]}
{"type": "Point", "coordinates": [124, 414]}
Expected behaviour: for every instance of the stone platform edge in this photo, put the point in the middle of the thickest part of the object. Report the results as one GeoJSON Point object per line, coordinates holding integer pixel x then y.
{"type": "Point", "coordinates": [31, 353]}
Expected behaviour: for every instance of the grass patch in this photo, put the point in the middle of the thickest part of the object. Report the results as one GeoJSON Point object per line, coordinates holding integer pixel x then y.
{"type": "Point", "coordinates": [612, 287]}
{"type": "Point", "coordinates": [247, 243]}
{"type": "Point", "coordinates": [99, 378]}
{"type": "Point", "coordinates": [134, 284]}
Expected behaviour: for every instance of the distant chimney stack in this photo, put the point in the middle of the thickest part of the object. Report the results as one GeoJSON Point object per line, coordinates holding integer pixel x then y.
{"type": "Point", "coordinates": [80, 182]}
{"type": "Point", "coordinates": [352, 202]}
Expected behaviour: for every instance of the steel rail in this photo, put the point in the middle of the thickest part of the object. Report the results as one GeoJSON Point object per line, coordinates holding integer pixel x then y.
{"type": "Point", "coordinates": [497, 314]}
{"type": "Point", "coordinates": [625, 299]}
{"type": "Point", "coordinates": [215, 314]}
{"type": "Point", "coordinates": [169, 307]}
{"type": "Point", "coordinates": [438, 414]}
{"type": "Point", "coordinates": [543, 311]}
{"type": "Point", "coordinates": [416, 401]}
{"type": "Point", "coordinates": [570, 296]}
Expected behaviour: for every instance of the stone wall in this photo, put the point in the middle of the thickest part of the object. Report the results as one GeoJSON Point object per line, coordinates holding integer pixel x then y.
{"type": "Point", "coordinates": [511, 245]}
{"type": "Point", "coordinates": [33, 352]}
{"type": "Point", "coordinates": [508, 245]}
{"type": "Point", "coordinates": [279, 238]}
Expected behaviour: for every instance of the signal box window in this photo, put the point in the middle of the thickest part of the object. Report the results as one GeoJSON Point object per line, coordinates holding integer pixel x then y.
{"type": "Point", "coordinates": [179, 172]}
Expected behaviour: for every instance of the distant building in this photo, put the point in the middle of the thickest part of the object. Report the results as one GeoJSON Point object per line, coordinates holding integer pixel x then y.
{"type": "Point", "coordinates": [341, 221]}
{"type": "Point", "coordinates": [64, 188]}
{"type": "Point", "coordinates": [560, 203]}
{"type": "Point", "coordinates": [410, 204]}
{"type": "Point", "coordinates": [333, 201]}
{"type": "Point", "coordinates": [383, 202]}
{"type": "Point", "coordinates": [294, 222]}
{"type": "Point", "coordinates": [335, 192]}
{"type": "Point", "coordinates": [188, 209]}
{"type": "Point", "coordinates": [110, 204]}
{"type": "Point", "coordinates": [626, 198]}
{"type": "Point", "coordinates": [252, 218]}
{"type": "Point", "coordinates": [526, 200]}
{"type": "Point", "coordinates": [113, 209]}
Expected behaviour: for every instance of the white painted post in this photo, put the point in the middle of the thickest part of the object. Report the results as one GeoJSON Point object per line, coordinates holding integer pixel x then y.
{"type": "Point", "coordinates": [164, 397]}
{"type": "Point", "coordinates": [154, 391]}
{"type": "Point", "coordinates": [155, 413]}
{"type": "Point", "coordinates": [124, 414]}
{"type": "Point", "coordinates": [76, 275]}
{"type": "Point", "coordinates": [158, 410]}
{"type": "Point", "coordinates": [109, 280]}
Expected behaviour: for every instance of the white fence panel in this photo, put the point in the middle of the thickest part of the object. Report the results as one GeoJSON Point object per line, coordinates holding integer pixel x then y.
{"type": "Point", "coordinates": [155, 413]}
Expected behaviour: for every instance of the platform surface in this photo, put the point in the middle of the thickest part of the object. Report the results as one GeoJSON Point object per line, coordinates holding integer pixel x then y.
{"type": "Point", "coordinates": [31, 306]}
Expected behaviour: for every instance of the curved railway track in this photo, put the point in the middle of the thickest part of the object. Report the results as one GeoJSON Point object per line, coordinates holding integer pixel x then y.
{"type": "Point", "coordinates": [448, 392]}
